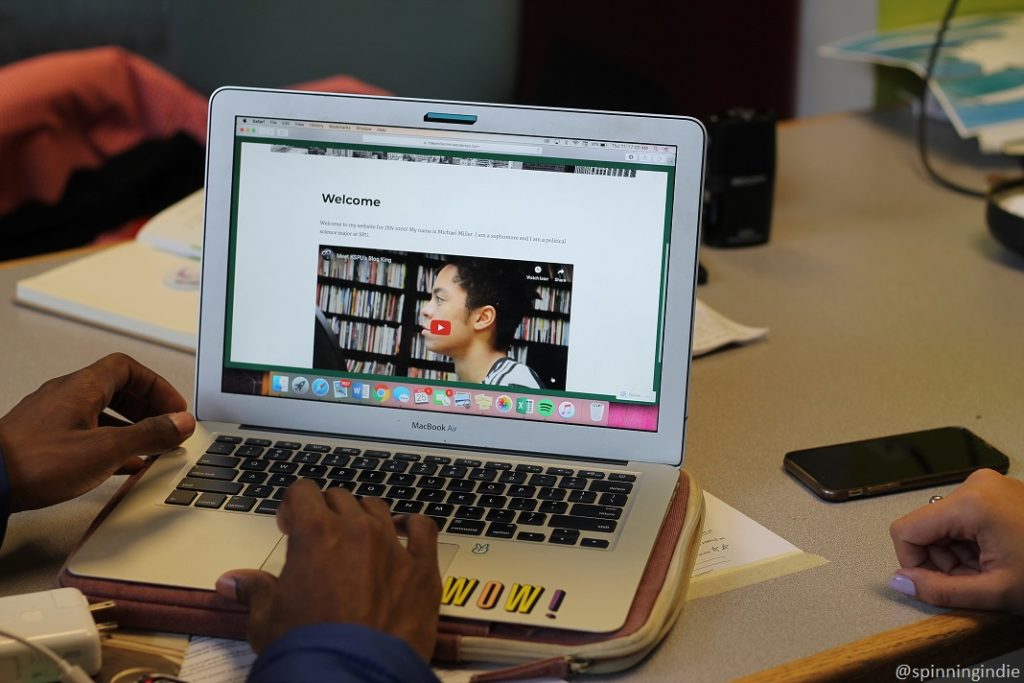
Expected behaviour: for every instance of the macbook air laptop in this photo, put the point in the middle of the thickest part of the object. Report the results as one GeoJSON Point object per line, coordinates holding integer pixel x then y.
{"type": "Point", "coordinates": [476, 312]}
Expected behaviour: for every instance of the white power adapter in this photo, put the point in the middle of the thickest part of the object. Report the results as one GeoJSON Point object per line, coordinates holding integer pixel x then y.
{"type": "Point", "coordinates": [56, 620]}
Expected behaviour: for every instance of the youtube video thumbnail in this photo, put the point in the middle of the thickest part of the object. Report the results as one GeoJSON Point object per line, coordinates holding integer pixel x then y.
{"type": "Point", "coordinates": [442, 317]}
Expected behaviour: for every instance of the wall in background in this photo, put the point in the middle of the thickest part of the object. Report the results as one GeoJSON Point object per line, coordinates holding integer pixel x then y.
{"type": "Point", "coordinates": [458, 49]}
{"type": "Point", "coordinates": [896, 13]}
{"type": "Point", "coordinates": [824, 84]}
{"type": "Point", "coordinates": [696, 58]}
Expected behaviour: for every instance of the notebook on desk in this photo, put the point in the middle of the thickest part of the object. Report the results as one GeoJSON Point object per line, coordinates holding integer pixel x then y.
{"type": "Point", "coordinates": [479, 313]}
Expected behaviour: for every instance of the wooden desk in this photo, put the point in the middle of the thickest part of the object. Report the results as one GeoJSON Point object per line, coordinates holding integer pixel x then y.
{"type": "Point", "coordinates": [890, 310]}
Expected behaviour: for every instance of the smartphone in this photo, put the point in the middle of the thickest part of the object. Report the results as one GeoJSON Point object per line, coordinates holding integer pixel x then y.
{"type": "Point", "coordinates": [889, 464]}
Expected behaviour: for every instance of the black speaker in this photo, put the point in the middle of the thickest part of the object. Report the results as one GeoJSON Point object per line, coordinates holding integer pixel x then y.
{"type": "Point", "coordinates": [740, 180]}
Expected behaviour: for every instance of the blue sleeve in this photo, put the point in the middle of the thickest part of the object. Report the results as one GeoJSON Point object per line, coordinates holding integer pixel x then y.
{"type": "Point", "coordinates": [339, 653]}
{"type": "Point", "coordinates": [5, 498]}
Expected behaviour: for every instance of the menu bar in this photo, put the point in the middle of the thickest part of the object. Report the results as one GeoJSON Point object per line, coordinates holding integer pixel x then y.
{"type": "Point", "coordinates": [432, 139]}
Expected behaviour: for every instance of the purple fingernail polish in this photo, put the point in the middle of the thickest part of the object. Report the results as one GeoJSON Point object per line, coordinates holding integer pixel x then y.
{"type": "Point", "coordinates": [902, 584]}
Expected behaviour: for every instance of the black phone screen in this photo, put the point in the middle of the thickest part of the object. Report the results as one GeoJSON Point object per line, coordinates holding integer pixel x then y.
{"type": "Point", "coordinates": [928, 457]}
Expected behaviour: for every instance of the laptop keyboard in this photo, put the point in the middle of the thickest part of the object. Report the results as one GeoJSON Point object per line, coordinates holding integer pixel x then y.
{"type": "Point", "coordinates": [524, 502]}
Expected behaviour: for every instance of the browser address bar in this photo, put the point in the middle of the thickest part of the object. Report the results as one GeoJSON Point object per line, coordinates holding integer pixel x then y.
{"type": "Point", "coordinates": [459, 145]}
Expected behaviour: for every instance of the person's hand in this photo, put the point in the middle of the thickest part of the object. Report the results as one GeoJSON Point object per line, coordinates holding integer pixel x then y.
{"type": "Point", "coordinates": [344, 564]}
{"type": "Point", "coordinates": [966, 550]}
{"type": "Point", "coordinates": [57, 443]}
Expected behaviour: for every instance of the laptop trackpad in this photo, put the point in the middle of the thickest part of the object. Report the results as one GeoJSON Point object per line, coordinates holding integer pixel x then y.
{"type": "Point", "coordinates": [274, 563]}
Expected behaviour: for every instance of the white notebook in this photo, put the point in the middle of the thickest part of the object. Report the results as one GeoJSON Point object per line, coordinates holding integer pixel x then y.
{"type": "Point", "coordinates": [132, 288]}
{"type": "Point", "coordinates": [135, 288]}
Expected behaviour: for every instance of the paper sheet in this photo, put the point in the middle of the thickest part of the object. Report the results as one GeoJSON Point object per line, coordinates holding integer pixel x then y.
{"type": "Point", "coordinates": [978, 76]}
{"type": "Point", "coordinates": [217, 660]}
{"type": "Point", "coordinates": [712, 330]}
{"type": "Point", "coordinates": [132, 287]}
{"type": "Point", "coordinates": [736, 551]}
{"type": "Point", "coordinates": [178, 229]}
{"type": "Point", "coordinates": [127, 654]}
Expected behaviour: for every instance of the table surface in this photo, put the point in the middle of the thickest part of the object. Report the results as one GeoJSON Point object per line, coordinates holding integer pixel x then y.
{"type": "Point", "coordinates": [891, 310]}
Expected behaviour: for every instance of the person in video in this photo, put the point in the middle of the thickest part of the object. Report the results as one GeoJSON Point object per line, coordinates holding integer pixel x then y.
{"type": "Point", "coordinates": [472, 316]}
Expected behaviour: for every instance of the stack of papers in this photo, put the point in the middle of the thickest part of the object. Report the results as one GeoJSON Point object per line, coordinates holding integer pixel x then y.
{"type": "Point", "coordinates": [978, 76]}
{"type": "Point", "coordinates": [179, 228]}
{"type": "Point", "coordinates": [736, 551]}
{"type": "Point", "coordinates": [148, 287]}
{"type": "Point", "coordinates": [712, 330]}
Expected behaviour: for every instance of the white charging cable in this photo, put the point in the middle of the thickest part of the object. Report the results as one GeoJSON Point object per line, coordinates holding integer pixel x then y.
{"type": "Point", "coordinates": [69, 673]}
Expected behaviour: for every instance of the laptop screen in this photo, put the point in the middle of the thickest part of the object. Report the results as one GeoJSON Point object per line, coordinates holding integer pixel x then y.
{"type": "Point", "coordinates": [501, 276]}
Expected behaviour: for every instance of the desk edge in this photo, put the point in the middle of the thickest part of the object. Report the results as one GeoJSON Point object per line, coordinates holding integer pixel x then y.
{"type": "Point", "coordinates": [958, 637]}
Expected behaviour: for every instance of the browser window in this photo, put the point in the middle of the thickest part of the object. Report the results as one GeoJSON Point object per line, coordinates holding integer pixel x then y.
{"type": "Point", "coordinates": [504, 276]}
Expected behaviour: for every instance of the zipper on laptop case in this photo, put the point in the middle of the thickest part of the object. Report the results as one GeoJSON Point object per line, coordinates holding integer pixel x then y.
{"type": "Point", "coordinates": [578, 665]}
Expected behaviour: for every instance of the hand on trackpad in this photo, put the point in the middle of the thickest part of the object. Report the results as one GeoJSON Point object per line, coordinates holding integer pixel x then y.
{"type": "Point", "coordinates": [275, 561]}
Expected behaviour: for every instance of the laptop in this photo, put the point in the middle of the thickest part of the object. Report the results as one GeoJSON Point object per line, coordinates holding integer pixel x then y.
{"type": "Point", "coordinates": [480, 313]}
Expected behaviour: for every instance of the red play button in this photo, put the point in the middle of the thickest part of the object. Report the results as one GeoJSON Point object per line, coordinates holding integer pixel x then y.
{"type": "Point", "coordinates": [441, 327]}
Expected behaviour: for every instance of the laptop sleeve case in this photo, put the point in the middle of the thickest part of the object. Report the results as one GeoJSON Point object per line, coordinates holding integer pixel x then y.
{"type": "Point", "coordinates": [530, 652]}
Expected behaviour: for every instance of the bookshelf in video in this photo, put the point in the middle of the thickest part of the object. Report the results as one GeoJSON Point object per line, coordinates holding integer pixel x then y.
{"type": "Point", "coordinates": [371, 317]}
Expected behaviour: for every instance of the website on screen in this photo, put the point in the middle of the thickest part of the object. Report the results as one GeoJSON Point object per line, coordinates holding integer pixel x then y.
{"type": "Point", "coordinates": [492, 284]}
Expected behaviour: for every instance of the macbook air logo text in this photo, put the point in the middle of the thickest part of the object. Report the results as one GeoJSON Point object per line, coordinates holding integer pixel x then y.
{"type": "Point", "coordinates": [432, 427]}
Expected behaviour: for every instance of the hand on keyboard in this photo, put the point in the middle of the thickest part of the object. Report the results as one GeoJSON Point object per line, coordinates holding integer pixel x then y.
{"type": "Point", "coordinates": [344, 564]}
